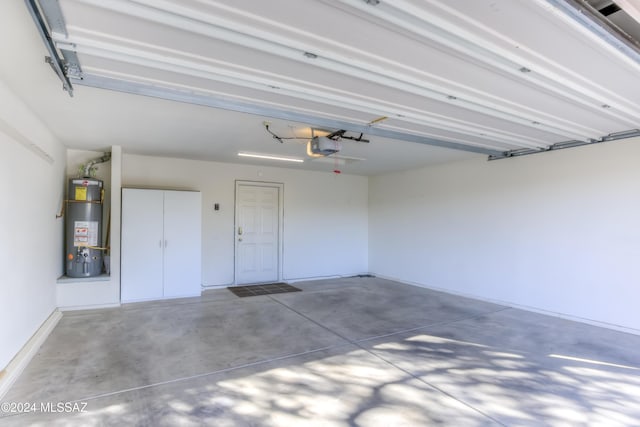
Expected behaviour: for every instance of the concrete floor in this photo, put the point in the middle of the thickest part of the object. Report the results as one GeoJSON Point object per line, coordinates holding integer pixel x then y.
{"type": "Point", "coordinates": [357, 352]}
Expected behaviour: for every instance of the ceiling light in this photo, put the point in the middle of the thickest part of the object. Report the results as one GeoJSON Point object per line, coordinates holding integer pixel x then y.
{"type": "Point", "coordinates": [337, 160]}
{"type": "Point", "coordinates": [269, 157]}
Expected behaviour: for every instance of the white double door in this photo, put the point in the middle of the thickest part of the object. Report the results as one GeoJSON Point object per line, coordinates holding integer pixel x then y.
{"type": "Point", "coordinates": [258, 232]}
{"type": "Point", "coordinates": [161, 244]}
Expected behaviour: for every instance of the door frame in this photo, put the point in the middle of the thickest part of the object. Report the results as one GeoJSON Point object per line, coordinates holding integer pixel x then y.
{"type": "Point", "coordinates": [280, 187]}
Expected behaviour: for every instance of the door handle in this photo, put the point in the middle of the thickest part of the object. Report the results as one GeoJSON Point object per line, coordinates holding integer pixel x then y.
{"type": "Point", "coordinates": [239, 231]}
{"type": "Point", "coordinates": [239, 239]}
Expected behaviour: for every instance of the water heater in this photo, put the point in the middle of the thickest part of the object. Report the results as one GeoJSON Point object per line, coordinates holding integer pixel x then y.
{"type": "Point", "coordinates": [83, 228]}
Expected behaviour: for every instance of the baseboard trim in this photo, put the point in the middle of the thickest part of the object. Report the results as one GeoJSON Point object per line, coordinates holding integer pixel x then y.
{"type": "Point", "coordinates": [289, 280]}
{"type": "Point", "coordinates": [88, 307]}
{"type": "Point", "coordinates": [310, 279]}
{"type": "Point", "coordinates": [26, 353]}
{"type": "Point", "coordinates": [214, 287]}
{"type": "Point", "coordinates": [518, 306]}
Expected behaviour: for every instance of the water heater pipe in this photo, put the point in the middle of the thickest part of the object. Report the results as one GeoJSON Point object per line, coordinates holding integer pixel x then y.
{"type": "Point", "coordinates": [87, 168]}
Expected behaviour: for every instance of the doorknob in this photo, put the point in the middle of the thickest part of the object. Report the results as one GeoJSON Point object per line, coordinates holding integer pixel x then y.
{"type": "Point", "coordinates": [239, 239]}
{"type": "Point", "coordinates": [239, 231]}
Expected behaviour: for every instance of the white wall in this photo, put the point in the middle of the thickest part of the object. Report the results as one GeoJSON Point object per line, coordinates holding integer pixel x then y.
{"type": "Point", "coordinates": [31, 183]}
{"type": "Point", "coordinates": [558, 231]}
{"type": "Point", "coordinates": [325, 215]}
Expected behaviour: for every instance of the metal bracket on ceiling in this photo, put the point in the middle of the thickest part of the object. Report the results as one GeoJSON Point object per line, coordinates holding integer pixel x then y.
{"type": "Point", "coordinates": [59, 64]}
{"type": "Point", "coordinates": [567, 144]}
{"type": "Point", "coordinates": [340, 134]}
{"type": "Point", "coordinates": [72, 65]}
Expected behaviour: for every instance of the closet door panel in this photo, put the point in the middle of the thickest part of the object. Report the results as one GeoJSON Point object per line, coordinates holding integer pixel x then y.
{"type": "Point", "coordinates": [182, 244]}
{"type": "Point", "coordinates": [142, 245]}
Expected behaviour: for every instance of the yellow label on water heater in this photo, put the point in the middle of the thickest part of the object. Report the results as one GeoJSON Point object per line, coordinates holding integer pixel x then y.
{"type": "Point", "coordinates": [81, 193]}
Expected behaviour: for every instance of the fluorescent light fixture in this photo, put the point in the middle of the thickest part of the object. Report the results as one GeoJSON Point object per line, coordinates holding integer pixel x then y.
{"type": "Point", "coordinates": [336, 160]}
{"type": "Point", "coordinates": [270, 157]}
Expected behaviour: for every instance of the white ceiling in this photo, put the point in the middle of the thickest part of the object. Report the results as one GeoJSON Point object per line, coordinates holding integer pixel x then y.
{"type": "Point", "coordinates": [492, 75]}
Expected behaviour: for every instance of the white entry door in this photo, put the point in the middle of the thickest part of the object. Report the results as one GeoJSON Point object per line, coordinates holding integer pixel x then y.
{"type": "Point", "coordinates": [257, 232]}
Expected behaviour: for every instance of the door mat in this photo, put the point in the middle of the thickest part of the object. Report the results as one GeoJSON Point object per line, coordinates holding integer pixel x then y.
{"type": "Point", "coordinates": [271, 288]}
